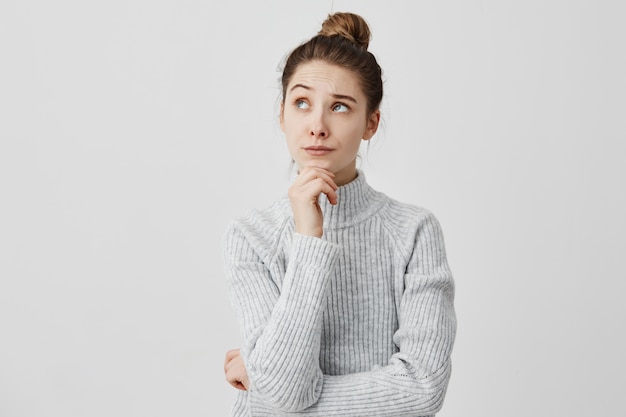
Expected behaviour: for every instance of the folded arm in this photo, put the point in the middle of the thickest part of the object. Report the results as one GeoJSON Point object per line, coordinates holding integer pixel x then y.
{"type": "Point", "coordinates": [283, 336]}
{"type": "Point", "coordinates": [282, 328]}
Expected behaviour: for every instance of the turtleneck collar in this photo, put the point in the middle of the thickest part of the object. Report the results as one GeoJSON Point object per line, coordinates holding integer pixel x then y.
{"type": "Point", "coordinates": [356, 201]}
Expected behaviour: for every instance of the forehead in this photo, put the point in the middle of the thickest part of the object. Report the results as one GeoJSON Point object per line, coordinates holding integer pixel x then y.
{"type": "Point", "coordinates": [326, 78]}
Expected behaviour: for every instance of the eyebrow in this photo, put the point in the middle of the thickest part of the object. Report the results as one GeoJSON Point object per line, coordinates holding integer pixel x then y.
{"type": "Point", "coordinates": [337, 96]}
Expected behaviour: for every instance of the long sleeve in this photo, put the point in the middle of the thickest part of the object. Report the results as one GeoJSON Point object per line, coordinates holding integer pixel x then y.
{"type": "Point", "coordinates": [361, 323]}
{"type": "Point", "coordinates": [415, 380]}
{"type": "Point", "coordinates": [281, 328]}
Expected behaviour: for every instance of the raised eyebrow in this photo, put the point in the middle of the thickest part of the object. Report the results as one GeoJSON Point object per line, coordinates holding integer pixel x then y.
{"type": "Point", "coordinates": [344, 97]}
{"type": "Point", "coordinates": [306, 87]}
{"type": "Point", "coordinates": [336, 96]}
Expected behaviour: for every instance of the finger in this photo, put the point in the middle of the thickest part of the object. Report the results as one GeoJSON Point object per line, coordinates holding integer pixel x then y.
{"type": "Point", "coordinates": [232, 353]}
{"type": "Point", "coordinates": [316, 168]}
{"type": "Point", "coordinates": [232, 363]}
{"type": "Point", "coordinates": [332, 198]}
{"type": "Point", "coordinates": [314, 188]}
{"type": "Point", "coordinates": [309, 193]}
{"type": "Point", "coordinates": [231, 358]}
{"type": "Point", "coordinates": [230, 366]}
{"type": "Point", "coordinates": [312, 174]}
{"type": "Point", "coordinates": [240, 386]}
{"type": "Point", "coordinates": [236, 374]}
{"type": "Point", "coordinates": [236, 383]}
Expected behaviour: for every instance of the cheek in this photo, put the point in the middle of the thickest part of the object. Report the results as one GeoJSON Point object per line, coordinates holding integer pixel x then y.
{"type": "Point", "coordinates": [290, 122]}
{"type": "Point", "coordinates": [353, 131]}
{"type": "Point", "coordinates": [291, 131]}
{"type": "Point", "coordinates": [291, 134]}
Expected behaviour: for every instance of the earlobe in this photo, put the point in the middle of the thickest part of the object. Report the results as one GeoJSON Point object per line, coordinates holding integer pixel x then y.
{"type": "Point", "coordinates": [372, 125]}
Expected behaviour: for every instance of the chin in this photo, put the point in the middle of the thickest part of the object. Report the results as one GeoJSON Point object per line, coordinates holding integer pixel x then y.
{"type": "Point", "coordinates": [319, 163]}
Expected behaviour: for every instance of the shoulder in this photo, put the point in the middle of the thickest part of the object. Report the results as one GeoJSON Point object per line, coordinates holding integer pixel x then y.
{"type": "Point", "coordinates": [404, 218]}
{"type": "Point", "coordinates": [408, 224]}
{"type": "Point", "coordinates": [258, 232]}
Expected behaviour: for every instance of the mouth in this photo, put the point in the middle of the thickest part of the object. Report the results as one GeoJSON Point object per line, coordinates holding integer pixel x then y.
{"type": "Point", "coordinates": [318, 150]}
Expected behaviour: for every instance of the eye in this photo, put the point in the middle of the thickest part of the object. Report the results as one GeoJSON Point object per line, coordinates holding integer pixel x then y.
{"type": "Point", "coordinates": [340, 108]}
{"type": "Point", "coordinates": [301, 104]}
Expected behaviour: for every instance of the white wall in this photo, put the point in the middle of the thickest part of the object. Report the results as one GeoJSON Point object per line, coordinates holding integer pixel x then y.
{"type": "Point", "coordinates": [131, 132]}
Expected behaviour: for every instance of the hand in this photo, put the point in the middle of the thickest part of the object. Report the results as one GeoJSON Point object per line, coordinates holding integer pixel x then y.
{"type": "Point", "coordinates": [304, 194]}
{"type": "Point", "coordinates": [235, 370]}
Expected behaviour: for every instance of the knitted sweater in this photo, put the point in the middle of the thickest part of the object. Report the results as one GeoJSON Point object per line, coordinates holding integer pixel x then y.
{"type": "Point", "coordinates": [359, 322]}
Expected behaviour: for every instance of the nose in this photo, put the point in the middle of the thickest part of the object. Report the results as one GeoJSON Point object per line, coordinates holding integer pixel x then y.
{"type": "Point", "coordinates": [318, 133]}
{"type": "Point", "coordinates": [318, 127]}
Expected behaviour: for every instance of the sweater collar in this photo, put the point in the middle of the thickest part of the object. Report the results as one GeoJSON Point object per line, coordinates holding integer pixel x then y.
{"type": "Point", "coordinates": [356, 201]}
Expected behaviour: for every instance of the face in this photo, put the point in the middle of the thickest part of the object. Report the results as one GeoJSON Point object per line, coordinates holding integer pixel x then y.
{"type": "Point", "coordinates": [324, 118]}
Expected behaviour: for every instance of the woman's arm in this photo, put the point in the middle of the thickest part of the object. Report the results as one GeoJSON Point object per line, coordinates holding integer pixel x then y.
{"type": "Point", "coordinates": [415, 379]}
{"type": "Point", "coordinates": [282, 353]}
{"type": "Point", "coordinates": [281, 328]}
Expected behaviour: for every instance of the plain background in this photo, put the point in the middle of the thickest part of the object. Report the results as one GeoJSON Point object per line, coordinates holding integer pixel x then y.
{"type": "Point", "coordinates": [133, 131]}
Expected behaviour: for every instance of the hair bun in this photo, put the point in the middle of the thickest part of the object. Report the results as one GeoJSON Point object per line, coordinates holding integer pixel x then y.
{"type": "Point", "coordinates": [348, 25]}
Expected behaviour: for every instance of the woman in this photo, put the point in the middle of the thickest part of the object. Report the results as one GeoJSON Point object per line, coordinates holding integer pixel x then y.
{"type": "Point", "coordinates": [344, 295]}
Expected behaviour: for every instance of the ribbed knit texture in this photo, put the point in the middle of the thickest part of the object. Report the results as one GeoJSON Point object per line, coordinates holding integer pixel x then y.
{"type": "Point", "coordinates": [358, 323]}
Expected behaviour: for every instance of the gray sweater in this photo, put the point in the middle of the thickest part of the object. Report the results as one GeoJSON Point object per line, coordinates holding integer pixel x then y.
{"type": "Point", "coordinates": [358, 323]}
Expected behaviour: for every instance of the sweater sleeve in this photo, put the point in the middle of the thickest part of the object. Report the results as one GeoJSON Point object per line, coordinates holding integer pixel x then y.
{"type": "Point", "coordinates": [281, 328]}
{"type": "Point", "coordinates": [415, 379]}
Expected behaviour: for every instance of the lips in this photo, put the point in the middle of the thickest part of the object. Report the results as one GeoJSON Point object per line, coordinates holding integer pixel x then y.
{"type": "Point", "coordinates": [318, 150]}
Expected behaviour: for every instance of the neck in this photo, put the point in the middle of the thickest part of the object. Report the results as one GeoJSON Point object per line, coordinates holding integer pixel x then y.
{"type": "Point", "coordinates": [346, 175]}
{"type": "Point", "coordinates": [356, 200]}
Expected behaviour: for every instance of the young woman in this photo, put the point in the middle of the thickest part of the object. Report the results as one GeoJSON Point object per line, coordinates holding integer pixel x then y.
{"type": "Point", "coordinates": [344, 295]}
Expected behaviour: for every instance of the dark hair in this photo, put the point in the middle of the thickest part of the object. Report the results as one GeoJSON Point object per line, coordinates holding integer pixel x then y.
{"type": "Point", "coordinates": [343, 41]}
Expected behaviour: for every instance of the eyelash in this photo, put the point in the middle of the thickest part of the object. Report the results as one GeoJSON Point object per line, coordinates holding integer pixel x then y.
{"type": "Point", "coordinates": [341, 104]}
{"type": "Point", "coordinates": [300, 101]}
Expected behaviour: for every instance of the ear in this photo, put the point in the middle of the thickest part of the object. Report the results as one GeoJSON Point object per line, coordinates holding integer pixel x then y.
{"type": "Point", "coordinates": [372, 125]}
{"type": "Point", "coordinates": [282, 116]}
